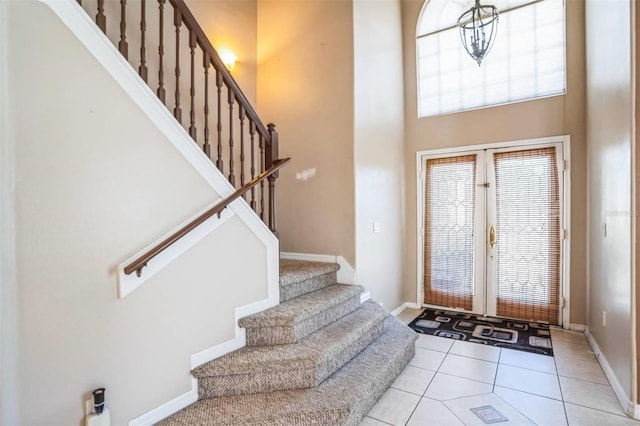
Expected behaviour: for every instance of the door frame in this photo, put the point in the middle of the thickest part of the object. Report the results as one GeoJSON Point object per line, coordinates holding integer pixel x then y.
{"type": "Point", "coordinates": [565, 247]}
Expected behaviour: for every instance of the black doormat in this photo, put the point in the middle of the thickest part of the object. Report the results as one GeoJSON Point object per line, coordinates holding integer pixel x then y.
{"type": "Point", "coordinates": [502, 332]}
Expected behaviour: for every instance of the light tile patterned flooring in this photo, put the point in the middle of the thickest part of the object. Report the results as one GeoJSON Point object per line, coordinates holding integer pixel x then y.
{"type": "Point", "coordinates": [446, 379]}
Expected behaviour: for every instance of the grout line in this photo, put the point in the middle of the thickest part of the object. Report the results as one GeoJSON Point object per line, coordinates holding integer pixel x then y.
{"type": "Point", "coordinates": [378, 420]}
{"type": "Point", "coordinates": [531, 393]}
{"type": "Point", "coordinates": [564, 406]}
{"type": "Point", "coordinates": [413, 411]}
{"type": "Point", "coordinates": [453, 412]}
{"type": "Point", "coordinates": [495, 377]}
{"type": "Point", "coordinates": [531, 369]}
{"type": "Point", "coordinates": [597, 409]}
{"type": "Point", "coordinates": [465, 378]}
{"type": "Point", "coordinates": [588, 381]}
{"type": "Point", "coordinates": [521, 413]}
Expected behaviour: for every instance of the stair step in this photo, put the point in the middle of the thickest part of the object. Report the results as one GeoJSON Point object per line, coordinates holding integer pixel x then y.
{"type": "Point", "coordinates": [298, 277]}
{"type": "Point", "coordinates": [298, 365]}
{"type": "Point", "coordinates": [342, 399]}
{"type": "Point", "coordinates": [291, 321]}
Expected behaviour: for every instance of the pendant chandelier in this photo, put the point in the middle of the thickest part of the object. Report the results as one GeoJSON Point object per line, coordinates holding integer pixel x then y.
{"type": "Point", "coordinates": [478, 29]}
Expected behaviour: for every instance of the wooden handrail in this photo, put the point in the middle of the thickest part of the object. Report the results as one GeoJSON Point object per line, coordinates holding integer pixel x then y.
{"type": "Point", "coordinates": [137, 265]}
{"type": "Point", "coordinates": [203, 41]}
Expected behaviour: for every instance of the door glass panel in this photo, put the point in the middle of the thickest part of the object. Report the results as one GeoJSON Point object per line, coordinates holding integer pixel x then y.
{"type": "Point", "coordinates": [527, 234]}
{"type": "Point", "coordinates": [449, 230]}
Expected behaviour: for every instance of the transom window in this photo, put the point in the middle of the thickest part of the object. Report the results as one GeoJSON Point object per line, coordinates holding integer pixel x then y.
{"type": "Point", "coordinates": [527, 60]}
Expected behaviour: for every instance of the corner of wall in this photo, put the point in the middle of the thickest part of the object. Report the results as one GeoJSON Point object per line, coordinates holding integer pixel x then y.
{"type": "Point", "coordinates": [8, 293]}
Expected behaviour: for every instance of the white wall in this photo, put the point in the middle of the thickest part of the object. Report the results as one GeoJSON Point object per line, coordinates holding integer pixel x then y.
{"type": "Point", "coordinates": [609, 126]}
{"type": "Point", "coordinates": [95, 182]}
{"type": "Point", "coordinates": [379, 147]}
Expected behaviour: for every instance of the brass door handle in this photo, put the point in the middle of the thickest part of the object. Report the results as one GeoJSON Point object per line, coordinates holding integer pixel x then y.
{"type": "Point", "coordinates": [492, 236]}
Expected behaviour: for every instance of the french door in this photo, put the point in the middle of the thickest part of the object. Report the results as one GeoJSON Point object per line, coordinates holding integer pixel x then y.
{"type": "Point", "coordinates": [492, 231]}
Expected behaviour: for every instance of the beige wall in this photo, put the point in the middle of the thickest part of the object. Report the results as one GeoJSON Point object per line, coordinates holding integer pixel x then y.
{"type": "Point", "coordinates": [95, 182]}
{"type": "Point", "coordinates": [9, 356]}
{"type": "Point", "coordinates": [553, 116]}
{"type": "Point", "coordinates": [379, 147]}
{"type": "Point", "coordinates": [232, 25]}
{"type": "Point", "coordinates": [609, 127]}
{"type": "Point", "coordinates": [305, 86]}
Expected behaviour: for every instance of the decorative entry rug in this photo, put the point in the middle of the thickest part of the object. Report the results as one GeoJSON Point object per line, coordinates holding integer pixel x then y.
{"type": "Point", "coordinates": [502, 332]}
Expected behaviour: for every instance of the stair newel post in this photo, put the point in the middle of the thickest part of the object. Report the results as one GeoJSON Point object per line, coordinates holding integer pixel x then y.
{"type": "Point", "coordinates": [271, 156]}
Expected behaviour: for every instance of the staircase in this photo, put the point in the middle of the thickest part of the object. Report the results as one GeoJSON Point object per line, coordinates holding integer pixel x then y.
{"type": "Point", "coordinates": [318, 358]}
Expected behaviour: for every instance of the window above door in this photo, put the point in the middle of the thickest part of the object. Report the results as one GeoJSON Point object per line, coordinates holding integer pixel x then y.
{"type": "Point", "coordinates": [526, 62]}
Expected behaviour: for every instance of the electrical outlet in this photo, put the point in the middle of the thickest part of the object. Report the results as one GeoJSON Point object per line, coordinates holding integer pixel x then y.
{"type": "Point", "coordinates": [88, 406]}
{"type": "Point", "coordinates": [604, 318]}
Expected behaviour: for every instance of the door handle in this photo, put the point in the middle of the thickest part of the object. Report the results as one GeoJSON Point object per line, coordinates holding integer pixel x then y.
{"type": "Point", "coordinates": [492, 236]}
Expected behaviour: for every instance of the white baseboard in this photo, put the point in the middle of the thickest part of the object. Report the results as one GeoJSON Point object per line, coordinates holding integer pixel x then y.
{"type": "Point", "coordinates": [346, 273]}
{"type": "Point", "coordinates": [629, 407]}
{"type": "Point", "coordinates": [578, 327]}
{"type": "Point", "coordinates": [406, 305]}
{"type": "Point", "coordinates": [168, 408]}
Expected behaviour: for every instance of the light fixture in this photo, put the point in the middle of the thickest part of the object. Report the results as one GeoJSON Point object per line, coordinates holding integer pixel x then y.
{"type": "Point", "coordinates": [228, 58]}
{"type": "Point", "coordinates": [478, 29]}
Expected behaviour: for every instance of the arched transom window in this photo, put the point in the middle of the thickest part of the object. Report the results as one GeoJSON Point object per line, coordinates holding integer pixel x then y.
{"type": "Point", "coordinates": [527, 60]}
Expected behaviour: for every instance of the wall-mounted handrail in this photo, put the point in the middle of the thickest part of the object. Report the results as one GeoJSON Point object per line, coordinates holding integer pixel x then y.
{"type": "Point", "coordinates": [137, 265]}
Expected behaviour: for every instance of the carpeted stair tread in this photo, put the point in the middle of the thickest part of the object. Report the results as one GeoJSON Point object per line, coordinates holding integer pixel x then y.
{"type": "Point", "coordinates": [298, 365]}
{"type": "Point", "coordinates": [292, 271]}
{"type": "Point", "coordinates": [342, 399]}
{"type": "Point", "coordinates": [290, 321]}
{"type": "Point", "coordinates": [298, 277]}
{"type": "Point", "coordinates": [302, 307]}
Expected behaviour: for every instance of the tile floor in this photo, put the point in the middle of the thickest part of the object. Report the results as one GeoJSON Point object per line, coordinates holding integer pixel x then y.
{"type": "Point", "coordinates": [460, 383]}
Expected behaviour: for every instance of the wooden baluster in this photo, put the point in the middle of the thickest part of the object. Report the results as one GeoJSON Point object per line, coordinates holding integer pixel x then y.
{"type": "Point", "coordinates": [207, 63]}
{"type": "Point", "coordinates": [271, 156]}
{"type": "Point", "coordinates": [262, 169]}
{"type": "Point", "coordinates": [241, 115]}
{"type": "Point", "coordinates": [161, 91]}
{"type": "Point", "coordinates": [192, 48]}
{"type": "Point", "coordinates": [101, 19]}
{"type": "Point", "coordinates": [231, 99]}
{"type": "Point", "coordinates": [252, 135]}
{"type": "Point", "coordinates": [142, 69]}
{"type": "Point", "coordinates": [177, 22]}
{"type": "Point", "coordinates": [123, 46]}
{"type": "Point", "coordinates": [219, 162]}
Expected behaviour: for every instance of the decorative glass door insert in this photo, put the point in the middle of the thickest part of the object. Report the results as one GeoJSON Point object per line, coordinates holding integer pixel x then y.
{"type": "Point", "coordinates": [492, 232]}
